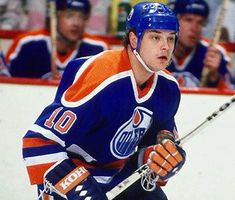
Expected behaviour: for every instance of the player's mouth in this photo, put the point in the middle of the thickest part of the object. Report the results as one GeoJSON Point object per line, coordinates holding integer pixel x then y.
{"type": "Point", "coordinates": [74, 31]}
{"type": "Point", "coordinates": [193, 38]}
{"type": "Point", "coordinates": [162, 58]}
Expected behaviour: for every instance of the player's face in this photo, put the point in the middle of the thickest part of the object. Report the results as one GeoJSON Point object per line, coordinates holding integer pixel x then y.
{"type": "Point", "coordinates": [157, 47]}
{"type": "Point", "coordinates": [71, 24]}
{"type": "Point", "coordinates": [191, 26]}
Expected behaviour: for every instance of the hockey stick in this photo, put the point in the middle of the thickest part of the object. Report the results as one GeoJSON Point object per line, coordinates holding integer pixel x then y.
{"type": "Point", "coordinates": [53, 29]}
{"type": "Point", "coordinates": [216, 38]}
{"type": "Point", "coordinates": [139, 173]}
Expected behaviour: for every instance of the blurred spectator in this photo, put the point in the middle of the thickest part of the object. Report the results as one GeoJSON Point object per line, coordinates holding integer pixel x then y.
{"type": "Point", "coordinates": [228, 27]}
{"type": "Point", "coordinates": [30, 54]}
{"type": "Point", "coordinates": [12, 15]}
{"type": "Point", "coordinates": [3, 65]}
{"type": "Point", "coordinates": [97, 23]}
{"type": "Point", "coordinates": [192, 54]}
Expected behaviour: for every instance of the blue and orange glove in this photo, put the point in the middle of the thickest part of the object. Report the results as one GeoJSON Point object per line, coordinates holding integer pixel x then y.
{"type": "Point", "coordinates": [73, 182]}
{"type": "Point", "coordinates": [165, 158]}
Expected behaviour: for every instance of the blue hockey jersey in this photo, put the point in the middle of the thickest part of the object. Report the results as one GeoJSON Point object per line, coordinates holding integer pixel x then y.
{"type": "Point", "coordinates": [30, 54]}
{"type": "Point", "coordinates": [99, 116]}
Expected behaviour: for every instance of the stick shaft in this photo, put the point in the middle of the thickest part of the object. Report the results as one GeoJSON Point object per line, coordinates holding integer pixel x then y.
{"type": "Point", "coordinates": [123, 186]}
{"type": "Point", "coordinates": [126, 183]}
{"type": "Point", "coordinates": [53, 29]}
{"type": "Point", "coordinates": [209, 119]}
{"type": "Point", "coordinates": [219, 23]}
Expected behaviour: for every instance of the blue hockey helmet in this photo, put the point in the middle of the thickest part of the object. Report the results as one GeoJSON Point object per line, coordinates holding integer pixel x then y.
{"type": "Point", "coordinates": [82, 5]}
{"type": "Point", "coordinates": [199, 7]}
{"type": "Point", "coordinates": [151, 16]}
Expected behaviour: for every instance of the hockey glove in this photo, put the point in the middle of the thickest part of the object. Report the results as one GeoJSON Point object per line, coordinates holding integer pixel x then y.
{"type": "Point", "coordinates": [73, 182]}
{"type": "Point", "coordinates": [166, 158]}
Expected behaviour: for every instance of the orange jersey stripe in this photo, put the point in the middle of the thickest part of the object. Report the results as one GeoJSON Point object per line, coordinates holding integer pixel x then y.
{"type": "Point", "coordinates": [167, 72]}
{"type": "Point", "coordinates": [113, 165]}
{"type": "Point", "coordinates": [116, 164]}
{"type": "Point", "coordinates": [36, 142]}
{"type": "Point", "coordinates": [142, 93]}
{"type": "Point", "coordinates": [46, 196]}
{"type": "Point", "coordinates": [104, 66]}
{"type": "Point", "coordinates": [64, 57]}
{"type": "Point", "coordinates": [36, 172]}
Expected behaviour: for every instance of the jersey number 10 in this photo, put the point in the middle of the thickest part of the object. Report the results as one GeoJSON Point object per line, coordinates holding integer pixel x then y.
{"type": "Point", "coordinates": [63, 123]}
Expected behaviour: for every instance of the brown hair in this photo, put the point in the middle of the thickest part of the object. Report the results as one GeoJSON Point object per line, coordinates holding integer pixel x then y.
{"type": "Point", "coordinates": [126, 40]}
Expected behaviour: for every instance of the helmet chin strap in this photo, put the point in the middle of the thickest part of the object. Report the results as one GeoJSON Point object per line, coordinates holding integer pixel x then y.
{"type": "Point", "coordinates": [137, 55]}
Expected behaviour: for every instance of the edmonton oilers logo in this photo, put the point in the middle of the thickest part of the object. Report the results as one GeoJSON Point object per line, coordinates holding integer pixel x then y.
{"type": "Point", "coordinates": [130, 133]}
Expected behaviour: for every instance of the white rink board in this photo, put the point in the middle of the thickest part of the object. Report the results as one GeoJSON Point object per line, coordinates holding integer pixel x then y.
{"type": "Point", "coordinates": [208, 173]}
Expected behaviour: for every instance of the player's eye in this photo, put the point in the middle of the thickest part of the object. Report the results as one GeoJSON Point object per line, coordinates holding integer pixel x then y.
{"type": "Point", "coordinates": [171, 39]}
{"type": "Point", "coordinates": [156, 37]}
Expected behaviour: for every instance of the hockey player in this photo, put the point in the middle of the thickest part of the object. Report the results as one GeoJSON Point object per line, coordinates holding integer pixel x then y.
{"type": "Point", "coordinates": [193, 53]}
{"type": "Point", "coordinates": [112, 113]}
{"type": "Point", "coordinates": [30, 54]}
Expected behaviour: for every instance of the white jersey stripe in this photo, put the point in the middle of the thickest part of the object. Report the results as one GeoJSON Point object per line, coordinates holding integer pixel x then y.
{"type": "Point", "coordinates": [78, 150]}
{"type": "Point", "coordinates": [26, 40]}
{"type": "Point", "coordinates": [47, 133]}
{"type": "Point", "coordinates": [168, 76]}
{"type": "Point", "coordinates": [37, 160]}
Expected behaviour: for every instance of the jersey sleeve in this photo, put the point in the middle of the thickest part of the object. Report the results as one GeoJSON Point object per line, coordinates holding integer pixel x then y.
{"type": "Point", "coordinates": [19, 59]}
{"type": "Point", "coordinates": [56, 129]}
{"type": "Point", "coordinates": [29, 56]}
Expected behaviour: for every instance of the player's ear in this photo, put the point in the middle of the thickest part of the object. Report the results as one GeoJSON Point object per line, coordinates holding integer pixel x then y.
{"type": "Point", "coordinates": [133, 40]}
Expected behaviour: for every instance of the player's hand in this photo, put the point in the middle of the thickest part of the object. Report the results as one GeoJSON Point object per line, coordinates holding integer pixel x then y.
{"type": "Point", "coordinates": [165, 159]}
{"type": "Point", "coordinates": [212, 59]}
{"type": "Point", "coordinates": [74, 183]}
